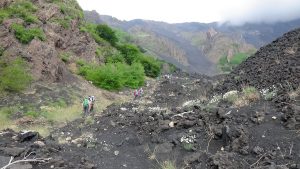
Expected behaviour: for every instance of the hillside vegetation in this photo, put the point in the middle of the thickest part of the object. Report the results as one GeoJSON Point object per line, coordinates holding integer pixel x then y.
{"type": "Point", "coordinates": [45, 47]}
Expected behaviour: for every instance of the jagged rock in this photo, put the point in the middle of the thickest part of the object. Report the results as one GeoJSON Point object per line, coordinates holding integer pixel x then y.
{"type": "Point", "coordinates": [27, 136]}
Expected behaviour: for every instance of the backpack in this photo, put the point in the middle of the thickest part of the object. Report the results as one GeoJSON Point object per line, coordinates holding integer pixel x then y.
{"type": "Point", "coordinates": [86, 102]}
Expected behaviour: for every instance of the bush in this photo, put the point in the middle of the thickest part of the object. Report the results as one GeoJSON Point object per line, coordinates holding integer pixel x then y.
{"type": "Point", "coordinates": [130, 52]}
{"type": "Point", "coordinates": [26, 35]}
{"type": "Point", "coordinates": [152, 66]}
{"type": "Point", "coordinates": [14, 76]}
{"type": "Point", "coordinates": [91, 29]}
{"type": "Point", "coordinates": [114, 76]}
{"type": "Point", "coordinates": [116, 58]}
{"type": "Point", "coordinates": [107, 33]}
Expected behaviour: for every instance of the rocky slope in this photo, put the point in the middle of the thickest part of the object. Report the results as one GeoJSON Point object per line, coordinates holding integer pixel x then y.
{"type": "Point", "coordinates": [185, 43]}
{"type": "Point", "coordinates": [179, 122]}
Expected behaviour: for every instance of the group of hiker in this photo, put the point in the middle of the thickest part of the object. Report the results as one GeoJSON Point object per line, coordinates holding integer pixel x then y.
{"type": "Point", "coordinates": [138, 93]}
{"type": "Point", "coordinates": [88, 104]}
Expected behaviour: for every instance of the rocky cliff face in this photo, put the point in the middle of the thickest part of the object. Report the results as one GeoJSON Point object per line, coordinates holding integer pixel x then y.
{"type": "Point", "coordinates": [44, 56]}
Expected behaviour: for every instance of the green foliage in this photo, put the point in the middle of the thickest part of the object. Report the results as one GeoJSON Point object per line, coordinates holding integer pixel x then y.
{"type": "Point", "coordinates": [152, 66]}
{"type": "Point", "coordinates": [3, 15]}
{"type": "Point", "coordinates": [249, 90]}
{"type": "Point", "coordinates": [24, 10]}
{"type": "Point", "coordinates": [227, 66]}
{"type": "Point", "coordinates": [33, 114]}
{"type": "Point", "coordinates": [123, 37]}
{"type": "Point", "coordinates": [130, 52]}
{"type": "Point", "coordinates": [91, 29]}
{"type": "Point", "coordinates": [70, 8]}
{"type": "Point", "coordinates": [65, 22]}
{"type": "Point", "coordinates": [116, 58]}
{"type": "Point", "coordinates": [238, 58]}
{"type": "Point", "coordinates": [26, 35]}
{"type": "Point", "coordinates": [114, 76]}
{"type": "Point", "coordinates": [8, 111]}
{"type": "Point", "coordinates": [14, 76]}
{"type": "Point", "coordinates": [107, 33]}
{"type": "Point", "coordinates": [188, 146]}
{"type": "Point", "coordinates": [59, 103]}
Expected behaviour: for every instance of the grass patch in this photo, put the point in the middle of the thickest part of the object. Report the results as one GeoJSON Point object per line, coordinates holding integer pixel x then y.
{"type": "Point", "coordinates": [25, 35]}
{"type": "Point", "coordinates": [168, 165]}
{"type": "Point", "coordinates": [89, 120]}
{"type": "Point", "coordinates": [62, 114]}
{"type": "Point", "coordinates": [14, 76]}
{"type": "Point", "coordinates": [250, 93]}
{"type": "Point", "coordinates": [5, 113]}
{"type": "Point", "coordinates": [227, 65]}
{"type": "Point", "coordinates": [20, 9]}
{"type": "Point", "coordinates": [188, 146]}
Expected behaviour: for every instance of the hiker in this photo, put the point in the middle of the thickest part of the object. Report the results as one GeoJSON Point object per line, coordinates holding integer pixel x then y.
{"type": "Point", "coordinates": [91, 103]}
{"type": "Point", "coordinates": [140, 92]}
{"type": "Point", "coordinates": [135, 94]}
{"type": "Point", "coordinates": [85, 106]}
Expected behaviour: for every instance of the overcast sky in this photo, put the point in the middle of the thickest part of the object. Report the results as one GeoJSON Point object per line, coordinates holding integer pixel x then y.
{"type": "Point", "coordinates": [176, 11]}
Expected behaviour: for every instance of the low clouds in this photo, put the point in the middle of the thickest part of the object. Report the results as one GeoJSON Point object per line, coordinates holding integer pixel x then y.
{"type": "Point", "coordinates": [255, 11]}
{"type": "Point", "coordinates": [236, 12]}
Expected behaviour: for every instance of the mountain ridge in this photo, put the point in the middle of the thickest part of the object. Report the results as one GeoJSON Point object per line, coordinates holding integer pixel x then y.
{"type": "Point", "coordinates": [202, 42]}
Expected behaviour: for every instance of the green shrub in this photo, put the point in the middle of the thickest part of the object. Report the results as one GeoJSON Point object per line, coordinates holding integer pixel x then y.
{"type": "Point", "coordinates": [134, 75]}
{"type": "Point", "coordinates": [130, 52]}
{"type": "Point", "coordinates": [14, 76]}
{"type": "Point", "coordinates": [26, 35]}
{"type": "Point", "coordinates": [152, 66]}
{"type": "Point", "coordinates": [116, 58]}
{"type": "Point", "coordinates": [107, 33]}
{"type": "Point", "coordinates": [91, 29]}
{"type": "Point", "coordinates": [114, 76]}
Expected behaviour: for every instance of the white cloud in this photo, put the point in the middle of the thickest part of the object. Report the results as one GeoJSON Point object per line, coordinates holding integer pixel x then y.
{"type": "Point", "coordinates": [235, 11]}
